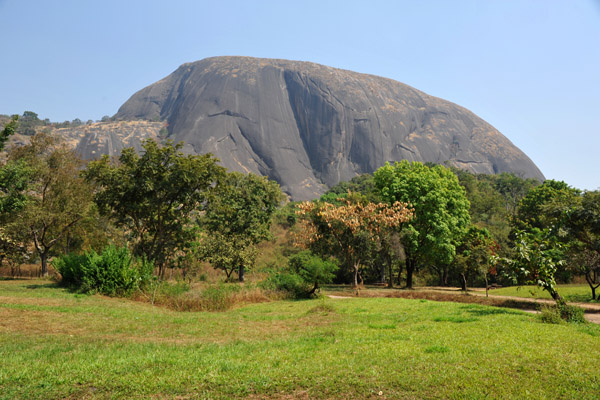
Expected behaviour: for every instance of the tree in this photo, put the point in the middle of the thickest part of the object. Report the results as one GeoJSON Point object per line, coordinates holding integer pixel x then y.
{"type": "Point", "coordinates": [513, 188]}
{"type": "Point", "coordinates": [14, 180]}
{"type": "Point", "coordinates": [28, 123]}
{"type": "Point", "coordinates": [351, 227]}
{"type": "Point", "coordinates": [57, 197]}
{"type": "Point", "coordinates": [237, 217]}
{"type": "Point", "coordinates": [546, 208]}
{"type": "Point", "coordinates": [475, 255]}
{"type": "Point", "coordinates": [154, 196]}
{"type": "Point", "coordinates": [313, 270]}
{"type": "Point", "coordinates": [8, 130]}
{"type": "Point", "coordinates": [538, 255]}
{"type": "Point", "coordinates": [582, 222]}
{"type": "Point", "coordinates": [441, 211]}
{"type": "Point", "coordinates": [544, 205]}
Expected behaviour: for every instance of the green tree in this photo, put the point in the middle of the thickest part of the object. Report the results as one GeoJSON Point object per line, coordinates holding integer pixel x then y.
{"type": "Point", "coordinates": [538, 255]}
{"type": "Point", "coordinates": [544, 205]}
{"type": "Point", "coordinates": [546, 208]}
{"type": "Point", "coordinates": [57, 197]}
{"type": "Point", "coordinates": [512, 188]}
{"type": "Point", "coordinates": [154, 196]}
{"type": "Point", "coordinates": [28, 123]}
{"type": "Point", "coordinates": [582, 222]}
{"type": "Point", "coordinates": [8, 130]}
{"type": "Point", "coordinates": [14, 179]}
{"type": "Point", "coordinates": [313, 270]}
{"type": "Point", "coordinates": [239, 212]}
{"type": "Point", "coordinates": [441, 211]}
{"type": "Point", "coordinates": [475, 255]}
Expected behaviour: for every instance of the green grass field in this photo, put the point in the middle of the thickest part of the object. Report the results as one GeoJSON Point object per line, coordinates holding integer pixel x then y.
{"type": "Point", "coordinates": [574, 292]}
{"type": "Point", "coordinates": [55, 344]}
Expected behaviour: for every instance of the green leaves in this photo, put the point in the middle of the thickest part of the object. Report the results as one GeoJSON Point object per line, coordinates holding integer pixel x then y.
{"type": "Point", "coordinates": [537, 256]}
{"type": "Point", "coordinates": [154, 195]}
{"type": "Point", "coordinates": [8, 130]}
{"type": "Point", "coordinates": [237, 216]}
{"type": "Point", "coordinates": [441, 209]}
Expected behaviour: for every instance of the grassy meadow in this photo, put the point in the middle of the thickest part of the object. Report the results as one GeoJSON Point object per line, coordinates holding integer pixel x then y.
{"type": "Point", "coordinates": [55, 344]}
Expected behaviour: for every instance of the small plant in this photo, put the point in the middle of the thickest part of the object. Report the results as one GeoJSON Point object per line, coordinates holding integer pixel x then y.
{"type": "Point", "coordinates": [572, 313]}
{"type": "Point", "coordinates": [549, 314]}
{"type": "Point", "coordinates": [562, 312]}
{"type": "Point", "coordinates": [114, 272]}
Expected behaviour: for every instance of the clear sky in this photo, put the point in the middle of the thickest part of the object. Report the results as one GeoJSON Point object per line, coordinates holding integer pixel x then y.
{"type": "Point", "coordinates": [531, 68]}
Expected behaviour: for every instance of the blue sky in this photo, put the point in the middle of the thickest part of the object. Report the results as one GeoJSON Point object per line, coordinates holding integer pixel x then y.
{"type": "Point", "coordinates": [531, 68]}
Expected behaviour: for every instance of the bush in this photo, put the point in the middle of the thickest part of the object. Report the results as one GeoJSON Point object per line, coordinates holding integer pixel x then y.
{"type": "Point", "coordinates": [549, 314]}
{"type": "Point", "coordinates": [306, 272]}
{"type": "Point", "coordinates": [572, 313]}
{"type": "Point", "coordinates": [289, 283]}
{"type": "Point", "coordinates": [556, 314]}
{"type": "Point", "coordinates": [114, 272]}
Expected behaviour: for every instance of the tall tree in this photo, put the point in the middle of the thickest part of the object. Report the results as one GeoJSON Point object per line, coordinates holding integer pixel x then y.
{"type": "Point", "coordinates": [57, 197]}
{"type": "Point", "coordinates": [154, 196]}
{"type": "Point", "coordinates": [441, 211]}
{"type": "Point", "coordinates": [239, 212]}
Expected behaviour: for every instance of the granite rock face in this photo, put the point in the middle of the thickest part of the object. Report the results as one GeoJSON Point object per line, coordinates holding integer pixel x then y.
{"type": "Point", "coordinates": [309, 126]}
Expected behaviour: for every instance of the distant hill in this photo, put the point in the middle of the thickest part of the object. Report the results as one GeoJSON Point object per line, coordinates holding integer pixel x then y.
{"type": "Point", "coordinates": [305, 125]}
{"type": "Point", "coordinates": [309, 126]}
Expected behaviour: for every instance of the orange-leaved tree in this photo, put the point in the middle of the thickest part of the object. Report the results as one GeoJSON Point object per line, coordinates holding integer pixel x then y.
{"type": "Point", "coordinates": [349, 225]}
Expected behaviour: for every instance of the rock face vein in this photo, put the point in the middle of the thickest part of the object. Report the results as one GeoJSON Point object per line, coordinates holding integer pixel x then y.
{"type": "Point", "coordinates": [310, 126]}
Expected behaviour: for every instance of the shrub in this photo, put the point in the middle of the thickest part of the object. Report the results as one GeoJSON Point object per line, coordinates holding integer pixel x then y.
{"type": "Point", "coordinates": [556, 314]}
{"type": "Point", "coordinates": [306, 272]}
{"type": "Point", "coordinates": [572, 313]}
{"type": "Point", "coordinates": [287, 282]}
{"type": "Point", "coordinates": [113, 272]}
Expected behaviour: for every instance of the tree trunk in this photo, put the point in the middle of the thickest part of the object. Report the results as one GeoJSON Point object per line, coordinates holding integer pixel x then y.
{"type": "Point", "coordinates": [445, 272]}
{"type": "Point", "coordinates": [44, 259]}
{"type": "Point", "coordinates": [463, 282]}
{"type": "Point", "coordinates": [441, 277]}
{"type": "Point", "coordinates": [355, 283]}
{"type": "Point", "coordinates": [241, 272]}
{"type": "Point", "coordinates": [487, 285]}
{"type": "Point", "coordinates": [399, 277]}
{"type": "Point", "coordinates": [410, 268]}
{"type": "Point", "coordinates": [557, 297]}
{"type": "Point", "coordinates": [390, 278]}
{"type": "Point", "coordinates": [592, 282]}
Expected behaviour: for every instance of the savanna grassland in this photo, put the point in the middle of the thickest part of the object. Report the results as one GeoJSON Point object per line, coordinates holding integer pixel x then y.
{"type": "Point", "coordinates": [57, 344]}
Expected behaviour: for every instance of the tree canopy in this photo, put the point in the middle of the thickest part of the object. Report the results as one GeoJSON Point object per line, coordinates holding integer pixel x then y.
{"type": "Point", "coordinates": [154, 195]}
{"type": "Point", "coordinates": [441, 210]}
{"type": "Point", "coordinates": [57, 198]}
{"type": "Point", "coordinates": [237, 216]}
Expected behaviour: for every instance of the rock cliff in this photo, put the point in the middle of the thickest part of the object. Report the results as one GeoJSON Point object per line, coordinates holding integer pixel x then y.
{"type": "Point", "coordinates": [309, 126]}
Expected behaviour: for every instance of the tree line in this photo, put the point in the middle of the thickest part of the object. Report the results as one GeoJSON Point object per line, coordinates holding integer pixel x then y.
{"type": "Point", "coordinates": [405, 221]}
